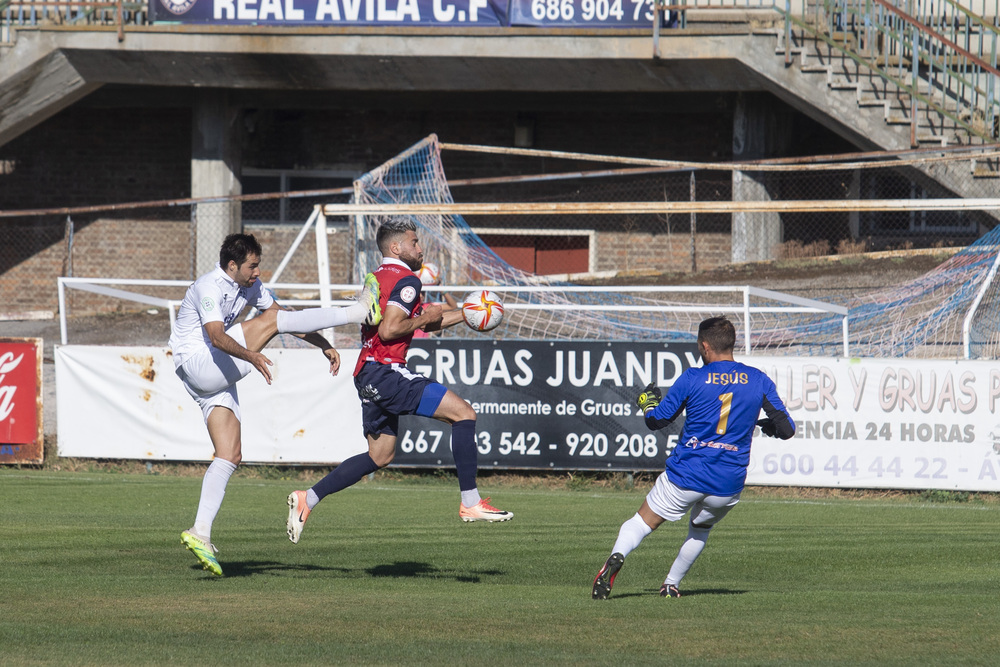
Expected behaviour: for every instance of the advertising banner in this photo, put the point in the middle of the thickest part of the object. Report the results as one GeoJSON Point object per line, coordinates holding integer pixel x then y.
{"type": "Point", "coordinates": [127, 403]}
{"type": "Point", "coordinates": [883, 423]}
{"type": "Point", "coordinates": [582, 13]}
{"type": "Point", "coordinates": [563, 405]}
{"type": "Point", "coordinates": [21, 427]}
{"type": "Point", "coordinates": [478, 13]}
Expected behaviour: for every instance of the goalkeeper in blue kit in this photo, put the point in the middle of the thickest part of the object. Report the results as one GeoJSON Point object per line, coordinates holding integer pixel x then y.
{"type": "Point", "coordinates": [706, 472]}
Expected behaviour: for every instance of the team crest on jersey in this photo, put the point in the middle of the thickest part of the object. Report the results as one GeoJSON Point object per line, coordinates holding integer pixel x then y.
{"type": "Point", "coordinates": [207, 305]}
{"type": "Point", "coordinates": [408, 294]}
{"type": "Point", "coordinates": [178, 7]}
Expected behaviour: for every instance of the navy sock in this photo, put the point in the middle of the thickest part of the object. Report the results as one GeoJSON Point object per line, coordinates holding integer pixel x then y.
{"type": "Point", "coordinates": [347, 473]}
{"type": "Point", "coordinates": [463, 449]}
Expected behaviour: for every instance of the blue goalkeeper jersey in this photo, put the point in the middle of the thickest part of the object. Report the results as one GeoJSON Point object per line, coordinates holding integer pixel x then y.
{"type": "Point", "coordinates": [722, 402]}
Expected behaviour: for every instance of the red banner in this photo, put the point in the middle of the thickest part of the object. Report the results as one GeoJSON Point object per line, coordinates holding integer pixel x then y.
{"type": "Point", "coordinates": [21, 435]}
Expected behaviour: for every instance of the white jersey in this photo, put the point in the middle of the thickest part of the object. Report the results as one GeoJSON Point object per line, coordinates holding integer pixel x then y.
{"type": "Point", "coordinates": [214, 297]}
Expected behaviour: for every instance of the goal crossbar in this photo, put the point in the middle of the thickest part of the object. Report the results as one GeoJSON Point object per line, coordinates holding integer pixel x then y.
{"type": "Point", "coordinates": [654, 207]}
{"type": "Point", "coordinates": [108, 287]}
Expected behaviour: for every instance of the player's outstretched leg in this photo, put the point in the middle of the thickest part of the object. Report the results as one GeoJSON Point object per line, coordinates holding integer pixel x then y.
{"type": "Point", "coordinates": [298, 512]}
{"type": "Point", "coordinates": [203, 550]}
{"type": "Point", "coordinates": [260, 330]}
{"type": "Point", "coordinates": [605, 579]}
{"type": "Point", "coordinates": [483, 511]}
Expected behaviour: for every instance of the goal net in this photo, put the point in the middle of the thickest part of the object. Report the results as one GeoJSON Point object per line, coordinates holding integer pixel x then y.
{"type": "Point", "coordinates": [949, 312]}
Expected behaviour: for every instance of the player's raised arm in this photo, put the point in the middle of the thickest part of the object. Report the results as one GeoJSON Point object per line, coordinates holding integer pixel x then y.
{"type": "Point", "coordinates": [779, 423]}
{"type": "Point", "coordinates": [396, 323]}
{"type": "Point", "coordinates": [449, 318]}
{"type": "Point", "coordinates": [649, 403]}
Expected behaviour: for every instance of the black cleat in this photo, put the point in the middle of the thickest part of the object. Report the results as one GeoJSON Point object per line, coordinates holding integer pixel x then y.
{"type": "Point", "coordinates": [669, 591]}
{"type": "Point", "coordinates": [605, 579]}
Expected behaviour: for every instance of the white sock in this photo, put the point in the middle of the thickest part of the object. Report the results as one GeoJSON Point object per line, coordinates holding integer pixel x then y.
{"type": "Point", "coordinates": [317, 319]}
{"type": "Point", "coordinates": [690, 550]}
{"type": "Point", "coordinates": [471, 498]}
{"type": "Point", "coordinates": [631, 534]}
{"type": "Point", "coordinates": [213, 490]}
{"type": "Point", "coordinates": [311, 499]}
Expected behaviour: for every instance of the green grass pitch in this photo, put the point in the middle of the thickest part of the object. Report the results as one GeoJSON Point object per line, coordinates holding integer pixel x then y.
{"type": "Point", "coordinates": [92, 572]}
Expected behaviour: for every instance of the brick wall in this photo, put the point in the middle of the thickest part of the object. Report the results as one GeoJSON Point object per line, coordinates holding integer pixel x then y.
{"type": "Point", "coordinates": [93, 156]}
{"type": "Point", "coordinates": [642, 252]}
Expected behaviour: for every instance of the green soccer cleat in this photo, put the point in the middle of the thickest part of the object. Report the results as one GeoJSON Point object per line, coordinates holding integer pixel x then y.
{"type": "Point", "coordinates": [204, 551]}
{"type": "Point", "coordinates": [370, 295]}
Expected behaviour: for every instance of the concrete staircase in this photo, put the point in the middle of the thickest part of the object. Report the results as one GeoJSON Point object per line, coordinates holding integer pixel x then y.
{"type": "Point", "coordinates": [869, 110]}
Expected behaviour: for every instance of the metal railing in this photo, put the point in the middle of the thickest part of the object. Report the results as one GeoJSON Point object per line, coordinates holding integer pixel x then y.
{"type": "Point", "coordinates": [940, 55]}
{"type": "Point", "coordinates": [118, 13]}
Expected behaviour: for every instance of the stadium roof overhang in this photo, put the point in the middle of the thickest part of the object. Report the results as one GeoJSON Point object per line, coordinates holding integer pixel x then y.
{"type": "Point", "coordinates": [52, 68]}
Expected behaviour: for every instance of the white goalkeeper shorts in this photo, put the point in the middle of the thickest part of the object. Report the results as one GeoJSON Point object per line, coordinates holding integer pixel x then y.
{"type": "Point", "coordinates": [210, 376]}
{"type": "Point", "coordinates": [672, 502]}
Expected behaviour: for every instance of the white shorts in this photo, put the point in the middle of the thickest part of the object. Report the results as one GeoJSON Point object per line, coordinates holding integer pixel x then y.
{"type": "Point", "coordinates": [672, 502]}
{"type": "Point", "coordinates": [210, 376]}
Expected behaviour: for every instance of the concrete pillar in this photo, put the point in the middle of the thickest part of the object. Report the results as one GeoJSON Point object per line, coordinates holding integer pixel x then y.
{"type": "Point", "coordinates": [854, 217]}
{"type": "Point", "coordinates": [215, 172]}
{"type": "Point", "coordinates": [761, 129]}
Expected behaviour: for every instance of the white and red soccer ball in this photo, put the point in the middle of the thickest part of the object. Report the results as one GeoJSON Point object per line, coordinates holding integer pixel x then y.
{"type": "Point", "coordinates": [482, 310]}
{"type": "Point", "coordinates": [429, 274]}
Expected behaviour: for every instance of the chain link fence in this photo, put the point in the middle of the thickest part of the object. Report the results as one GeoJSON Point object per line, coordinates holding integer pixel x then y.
{"type": "Point", "coordinates": [162, 241]}
{"type": "Point", "coordinates": [687, 242]}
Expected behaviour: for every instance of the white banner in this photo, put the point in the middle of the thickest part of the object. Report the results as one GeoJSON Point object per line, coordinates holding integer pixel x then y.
{"type": "Point", "coordinates": [883, 423]}
{"type": "Point", "coordinates": [127, 403]}
{"type": "Point", "coordinates": [868, 423]}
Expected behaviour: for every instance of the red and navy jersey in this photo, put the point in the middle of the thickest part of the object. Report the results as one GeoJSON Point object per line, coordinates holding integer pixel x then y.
{"type": "Point", "coordinates": [399, 287]}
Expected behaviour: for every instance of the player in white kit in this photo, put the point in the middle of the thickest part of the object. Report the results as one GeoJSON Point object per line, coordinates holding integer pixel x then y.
{"type": "Point", "coordinates": [211, 355]}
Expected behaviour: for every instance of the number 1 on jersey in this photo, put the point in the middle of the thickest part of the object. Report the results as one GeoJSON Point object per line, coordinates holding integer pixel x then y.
{"type": "Point", "coordinates": [727, 403]}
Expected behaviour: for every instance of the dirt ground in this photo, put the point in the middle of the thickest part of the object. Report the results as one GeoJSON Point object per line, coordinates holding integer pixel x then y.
{"type": "Point", "coordinates": [819, 278]}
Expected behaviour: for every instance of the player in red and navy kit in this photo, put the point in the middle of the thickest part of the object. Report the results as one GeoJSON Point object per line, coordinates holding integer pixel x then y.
{"type": "Point", "coordinates": [389, 389]}
{"type": "Point", "coordinates": [705, 473]}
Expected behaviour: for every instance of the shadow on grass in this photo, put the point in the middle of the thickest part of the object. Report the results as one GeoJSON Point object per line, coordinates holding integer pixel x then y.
{"type": "Point", "coordinates": [249, 568]}
{"type": "Point", "coordinates": [692, 592]}
{"type": "Point", "coordinates": [404, 569]}
{"type": "Point", "coordinates": [411, 569]}
{"type": "Point", "coordinates": [686, 593]}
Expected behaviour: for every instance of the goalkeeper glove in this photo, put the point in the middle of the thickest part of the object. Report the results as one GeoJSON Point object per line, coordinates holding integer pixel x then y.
{"type": "Point", "coordinates": [649, 398]}
{"type": "Point", "coordinates": [768, 428]}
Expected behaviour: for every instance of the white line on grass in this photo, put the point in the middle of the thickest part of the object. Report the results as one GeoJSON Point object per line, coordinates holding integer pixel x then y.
{"type": "Point", "coordinates": [925, 506]}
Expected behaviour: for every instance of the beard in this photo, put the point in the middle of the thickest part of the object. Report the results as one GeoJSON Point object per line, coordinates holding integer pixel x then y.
{"type": "Point", "coordinates": [413, 262]}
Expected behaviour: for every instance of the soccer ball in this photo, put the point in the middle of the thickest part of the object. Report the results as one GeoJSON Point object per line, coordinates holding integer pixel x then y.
{"type": "Point", "coordinates": [482, 310]}
{"type": "Point", "coordinates": [429, 274]}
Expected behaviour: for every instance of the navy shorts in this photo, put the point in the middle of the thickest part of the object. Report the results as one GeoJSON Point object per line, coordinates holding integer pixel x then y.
{"type": "Point", "coordinates": [390, 390]}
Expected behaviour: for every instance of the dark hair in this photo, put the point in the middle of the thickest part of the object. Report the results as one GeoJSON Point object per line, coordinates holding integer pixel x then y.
{"type": "Point", "coordinates": [237, 247]}
{"type": "Point", "coordinates": [719, 333]}
{"type": "Point", "coordinates": [390, 230]}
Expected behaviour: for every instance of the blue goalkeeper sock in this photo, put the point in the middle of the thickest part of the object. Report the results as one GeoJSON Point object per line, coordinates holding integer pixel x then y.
{"type": "Point", "coordinates": [346, 474]}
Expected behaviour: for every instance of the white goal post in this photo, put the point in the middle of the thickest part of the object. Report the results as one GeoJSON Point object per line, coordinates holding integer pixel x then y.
{"type": "Point", "coordinates": [109, 287]}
